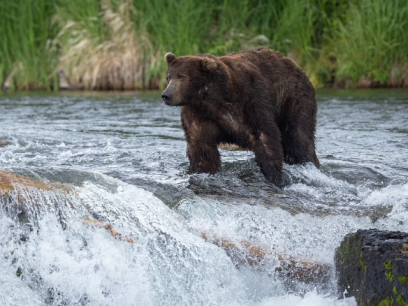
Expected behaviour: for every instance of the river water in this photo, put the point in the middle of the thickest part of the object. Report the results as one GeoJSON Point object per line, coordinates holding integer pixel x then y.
{"type": "Point", "coordinates": [125, 155]}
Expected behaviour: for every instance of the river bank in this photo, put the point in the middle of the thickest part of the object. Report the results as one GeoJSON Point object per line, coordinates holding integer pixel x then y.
{"type": "Point", "coordinates": [119, 44]}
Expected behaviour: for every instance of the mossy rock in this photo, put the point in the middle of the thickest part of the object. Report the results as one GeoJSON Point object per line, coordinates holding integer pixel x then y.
{"type": "Point", "coordinates": [372, 266]}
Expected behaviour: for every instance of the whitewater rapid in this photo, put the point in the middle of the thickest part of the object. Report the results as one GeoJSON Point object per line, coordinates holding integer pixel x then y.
{"type": "Point", "coordinates": [125, 158]}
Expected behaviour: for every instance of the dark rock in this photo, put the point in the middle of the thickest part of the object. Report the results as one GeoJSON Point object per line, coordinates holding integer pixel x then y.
{"type": "Point", "coordinates": [372, 266]}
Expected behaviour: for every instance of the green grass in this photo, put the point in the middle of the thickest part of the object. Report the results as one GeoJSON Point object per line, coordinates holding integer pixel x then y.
{"type": "Point", "coordinates": [25, 30]}
{"type": "Point", "coordinates": [329, 39]}
{"type": "Point", "coordinates": [294, 27]}
{"type": "Point", "coordinates": [85, 12]}
{"type": "Point", "coordinates": [373, 37]}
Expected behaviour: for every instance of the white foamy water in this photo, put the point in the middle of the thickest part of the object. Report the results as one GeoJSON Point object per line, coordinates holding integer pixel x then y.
{"type": "Point", "coordinates": [65, 261]}
{"type": "Point", "coordinates": [126, 158]}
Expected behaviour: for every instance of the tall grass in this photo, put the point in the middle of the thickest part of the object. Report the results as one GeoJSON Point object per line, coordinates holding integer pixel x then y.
{"type": "Point", "coordinates": [220, 27]}
{"type": "Point", "coordinates": [119, 44]}
{"type": "Point", "coordinates": [372, 39]}
{"type": "Point", "coordinates": [102, 48]}
{"type": "Point", "coordinates": [25, 31]}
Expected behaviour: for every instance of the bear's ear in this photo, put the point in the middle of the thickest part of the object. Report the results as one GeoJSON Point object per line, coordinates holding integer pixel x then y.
{"type": "Point", "coordinates": [208, 64]}
{"type": "Point", "coordinates": [169, 57]}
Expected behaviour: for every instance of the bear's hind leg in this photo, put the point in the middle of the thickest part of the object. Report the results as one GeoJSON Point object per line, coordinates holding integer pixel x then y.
{"type": "Point", "coordinates": [268, 155]}
{"type": "Point", "coordinates": [298, 132]}
{"type": "Point", "coordinates": [299, 149]}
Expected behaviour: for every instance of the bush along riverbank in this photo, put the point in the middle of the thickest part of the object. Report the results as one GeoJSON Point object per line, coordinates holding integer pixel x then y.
{"type": "Point", "coordinates": [119, 44]}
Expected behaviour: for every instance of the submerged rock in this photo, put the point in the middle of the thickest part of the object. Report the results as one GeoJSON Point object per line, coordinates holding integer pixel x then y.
{"type": "Point", "coordinates": [372, 266]}
{"type": "Point", "coordinates": [230, 147]}
{"type": "Point", "coordinates": [5, 142]}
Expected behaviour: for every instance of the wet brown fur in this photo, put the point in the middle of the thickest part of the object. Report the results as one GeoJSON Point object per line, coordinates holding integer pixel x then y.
{"type": "Point", "coordinates": [258, 100]}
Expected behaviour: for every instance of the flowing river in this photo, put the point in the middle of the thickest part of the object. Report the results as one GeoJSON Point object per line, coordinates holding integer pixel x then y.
{"type": "Point", "coordinates": [125, 157]}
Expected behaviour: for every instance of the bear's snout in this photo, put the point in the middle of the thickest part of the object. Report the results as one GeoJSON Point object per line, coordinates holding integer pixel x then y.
{"type": "Point", "coordinates": [166, 98]}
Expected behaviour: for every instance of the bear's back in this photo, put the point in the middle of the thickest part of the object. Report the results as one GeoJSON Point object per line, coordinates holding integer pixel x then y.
{"type": "Point", "coordinates": [269, 64]}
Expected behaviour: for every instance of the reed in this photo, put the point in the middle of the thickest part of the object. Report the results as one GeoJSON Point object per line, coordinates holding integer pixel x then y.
{"type": "Point", "coordinates": [25, 31]}
{"type": "Point", "coordinates": [102, 48]}
{"type": "Point", "coordinates": [119, 44]}
{"type": "Point", "coordinates": [373, 39]}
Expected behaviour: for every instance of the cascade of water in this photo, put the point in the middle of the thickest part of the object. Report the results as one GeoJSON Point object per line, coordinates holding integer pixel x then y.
{"type": "Point", "coordinates": [122, 162]}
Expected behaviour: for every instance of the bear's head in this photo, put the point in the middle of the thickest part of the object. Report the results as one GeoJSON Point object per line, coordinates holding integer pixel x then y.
{"type": "Point", "coordinates": [189, 79]}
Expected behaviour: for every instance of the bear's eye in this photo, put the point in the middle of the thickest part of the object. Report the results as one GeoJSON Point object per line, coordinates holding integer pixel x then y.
{"type": "Point", "coordinates": [182, 77]}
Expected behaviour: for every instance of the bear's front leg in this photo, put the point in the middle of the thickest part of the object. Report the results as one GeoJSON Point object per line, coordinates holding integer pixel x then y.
{"type": "Point", "coordinates": [203, 157]}
{"type": "Point", "coordinates": [269, 156]}
{"type": "Point", "coordinates": [202, 140]}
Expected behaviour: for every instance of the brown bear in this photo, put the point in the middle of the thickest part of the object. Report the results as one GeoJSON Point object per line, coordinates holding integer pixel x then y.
{"type": "Point", "coordinates": [259, 100]}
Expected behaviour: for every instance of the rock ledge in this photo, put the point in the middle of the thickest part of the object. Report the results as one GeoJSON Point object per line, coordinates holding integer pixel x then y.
{"type": "Point", "coordinates": [372, 266]}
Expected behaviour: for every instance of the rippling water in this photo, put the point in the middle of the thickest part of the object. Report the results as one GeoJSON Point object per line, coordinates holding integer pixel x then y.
{"type": "Point", "coordinates": [125, 155]}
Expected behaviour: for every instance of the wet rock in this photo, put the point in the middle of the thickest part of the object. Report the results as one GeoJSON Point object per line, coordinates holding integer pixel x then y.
{"type": "Point", "coordinates": [290, 267]}
{"type": "Point", "coordinates": [230, 147]}
{"type": "Point", "coordinates": [18, 196]}
{"type": "Point", "coordinates": [27, 198]}
{"type": "Point", "coordinates": [5, 142]}
{"type": "Point", "coordinates": [372, 266]}
{"type": "Point", "coordinates": [13, 183]}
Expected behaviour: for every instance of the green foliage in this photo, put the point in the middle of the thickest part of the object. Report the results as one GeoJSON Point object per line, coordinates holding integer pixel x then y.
{"type": "Point", "coordinates": [390, 277]}
{"type": "Point", "coordinates": [85, 12]}
{"type": "Point", "coordinates": [403, 280]}
{"type": "Point", "coordinates": [370, 37]}
{"type": "Point", "coordinates": [216, 26]}
{"type": "Point", "coordinates": [25, 30]}
{"type": "Point", "coordinates": [389, 301]}
{"type": "Point", "coordinates": [327, 38]}
{"type": "Point", "coordinates": [401, 301]}
{"type": "Point", "coordinates": [362, 264]}
{"type": "Point", "coordinates": [19, 272]}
